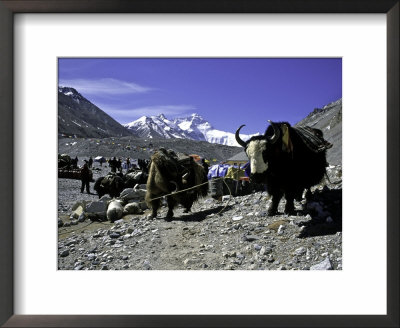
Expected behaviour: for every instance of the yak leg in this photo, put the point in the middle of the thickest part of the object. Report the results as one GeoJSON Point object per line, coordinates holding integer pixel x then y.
{"type": "Point", "coordinates": [155, 204]}
{"type": "Point", "coordinates": [171, 204]}
{"type": "Point", "coordinates": [187, 204]}
{"type": "Point", "coordinates": [276, 197]}
{"type": "Point", "coordinates": [289, 208]}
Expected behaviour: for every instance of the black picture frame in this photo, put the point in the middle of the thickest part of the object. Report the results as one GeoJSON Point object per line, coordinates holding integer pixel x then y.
{"type": "Point", "coordinates": [10, 7]}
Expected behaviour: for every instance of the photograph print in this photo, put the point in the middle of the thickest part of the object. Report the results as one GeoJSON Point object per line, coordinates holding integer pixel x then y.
{"type": "Point", "coordinates": [199, 164]}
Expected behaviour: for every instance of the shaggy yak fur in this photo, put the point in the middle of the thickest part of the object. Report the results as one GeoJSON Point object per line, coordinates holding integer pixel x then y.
{"type": "Point", "coordinates": [286, 162]}
{"type": "Point", "coordinates": [111, 184]}
{"type": "Point", "coordinates": [168, 174]}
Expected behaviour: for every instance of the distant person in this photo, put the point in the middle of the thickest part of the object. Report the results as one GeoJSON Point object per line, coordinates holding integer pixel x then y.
{"type": "Point", "coordinates": [205, 165]}
{"type": "Point", "coordinates": [75, 164]}
{"type": "Point", "coordinates": [85, 178]}
{"type": "Point", "coordinates": [119, 165]}
{"type": "Point", "coordinates": [90, 163]}
{"type": "Point", "coordinates": [128, 164]}
{"type": "Point", "coordinates": [113, 164]}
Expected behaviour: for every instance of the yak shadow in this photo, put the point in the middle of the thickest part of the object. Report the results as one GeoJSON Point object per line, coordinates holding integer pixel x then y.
{"type": "Point", "coordinates": [322, 226]}
{"type": "Point", "coordinates": [201, 215]}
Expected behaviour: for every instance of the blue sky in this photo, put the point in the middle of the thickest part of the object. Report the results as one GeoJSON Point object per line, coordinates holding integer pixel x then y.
{"type": "Point", "coordinates": [227, 92]}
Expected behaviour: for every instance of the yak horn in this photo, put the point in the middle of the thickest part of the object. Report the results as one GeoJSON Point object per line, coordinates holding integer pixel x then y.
{"type": "Point", "coordinates": [238, 140]}
{"type": "Point", "coordinates": [276, 135]}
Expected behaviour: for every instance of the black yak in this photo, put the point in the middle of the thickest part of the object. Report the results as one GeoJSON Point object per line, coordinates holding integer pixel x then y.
{"type": "Point", "coordinates": [288, 160]}
{"type": "Point", "coordinates": [111, 184]}
{"type": "Point", "coordinates": [168, 174]}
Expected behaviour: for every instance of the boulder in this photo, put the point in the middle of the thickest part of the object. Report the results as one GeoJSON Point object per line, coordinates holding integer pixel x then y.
{"type": "Point", "coordinates": [114, 211]}
{"type": "Point", "coordinates": [79, 204]}
{"type": "Point", "coordinates": [142, 204]}
{"type": "Point", "coordinates": [105, 199]}
{"type": "Point", "coordinates": [100, 216]}
{"type": "Point", "coordinates": [77, 212]}
{"type": "Point", "coordinates": [133, 194]}
{"type": "Point", "coordinates": [132, 208]}
{"type": "Point", "coordinates": [96, 207]}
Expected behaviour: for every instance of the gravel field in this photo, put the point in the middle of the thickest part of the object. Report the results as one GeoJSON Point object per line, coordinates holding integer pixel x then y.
{"type": "Point", "coordinates": [234, 233]}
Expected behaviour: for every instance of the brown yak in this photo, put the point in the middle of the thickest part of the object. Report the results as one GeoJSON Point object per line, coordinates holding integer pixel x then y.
{"type": "Point", "coordinates": [168, 174]}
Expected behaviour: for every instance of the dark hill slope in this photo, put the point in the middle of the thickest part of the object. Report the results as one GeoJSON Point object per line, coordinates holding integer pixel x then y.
{"type": "Point", "coordinates": [329, 120]}
{"type": "Point", "coordinates": [78, 116]}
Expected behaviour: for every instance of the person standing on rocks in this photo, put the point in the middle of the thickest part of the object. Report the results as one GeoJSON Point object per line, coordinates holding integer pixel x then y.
{"type": "Point", "coordinates": [75, 162]}
{"type": "Point", "coordinates": [85, 178]}
{"type": "Point", "coordinates": [119, 165]}
{"type": "Point", "coordinates": [90, 162]}
{"type": "Point", "coordinates": [113, 164]}
{"type": "Point", "coordinates": [205, 165]}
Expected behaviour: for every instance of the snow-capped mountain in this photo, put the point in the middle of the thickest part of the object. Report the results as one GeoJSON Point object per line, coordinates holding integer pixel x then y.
{"type": "Point", "coordinates": [193, 127]}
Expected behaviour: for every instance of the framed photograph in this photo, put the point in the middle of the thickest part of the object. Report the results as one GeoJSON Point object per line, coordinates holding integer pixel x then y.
{"type": "Point", "coordinates": [92, 91]}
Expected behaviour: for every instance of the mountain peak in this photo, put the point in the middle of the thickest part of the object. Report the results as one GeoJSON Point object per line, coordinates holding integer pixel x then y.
{"type": "Point", "coordinates": [193, 127]}
{"type": "Point", "coordinates": [68, 91]}
{"type": "Point", "coordinates": [78, 116]}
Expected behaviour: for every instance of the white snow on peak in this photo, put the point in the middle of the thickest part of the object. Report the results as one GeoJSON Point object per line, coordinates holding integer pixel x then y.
{"type": "Point", "coordinates": [193, 127]}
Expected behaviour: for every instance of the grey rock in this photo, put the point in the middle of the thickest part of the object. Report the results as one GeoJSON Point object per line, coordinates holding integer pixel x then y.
{"type": "Point", "coordinates": [96, 206]}
{"type": "Point", "coordinates": [300, 251]}
{"type": "Point", "coordinates": [250, 238]}
{"type": "Point", "coordinates": [64, 253]}
{"type": "Point", "coordinates": [324, 265]}
{"type": "Point", "coordinates": [77, 204]}
{"type": "Point", "coordinates": [115, 235]}
{"type": "Point", "coordinates": [60, 223]}
{"type": "Point", "coordinates": [82, 217]}
{"type": "Point", "coordinates": [133, 208]}
{"type": "Point", "coordinates": [105, 199]}
{"type": "Point", "coordinates": [114, 211]}
{"type": "Point", "coordinates": [257, 247]}
{"type": "Point", "coordinates": [131, 193]}
{"type": "Point", "coordinates": [146, 265]}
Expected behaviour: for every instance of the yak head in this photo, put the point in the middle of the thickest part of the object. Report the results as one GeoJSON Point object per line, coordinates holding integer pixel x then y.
{"type": "Point", "coordinates": [261, 150]}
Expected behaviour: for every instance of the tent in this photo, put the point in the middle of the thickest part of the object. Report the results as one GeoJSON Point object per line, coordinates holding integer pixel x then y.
{"type": "Point", "coordinates": [240, 158]}
{"type": "Point", "coordinates": [100, 159]}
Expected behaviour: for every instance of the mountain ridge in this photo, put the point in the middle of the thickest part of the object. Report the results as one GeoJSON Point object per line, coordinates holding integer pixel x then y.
{"type": "Point", "coordinates": [79, 117]}
{"type": "Point", "coordinates": [193, 127]}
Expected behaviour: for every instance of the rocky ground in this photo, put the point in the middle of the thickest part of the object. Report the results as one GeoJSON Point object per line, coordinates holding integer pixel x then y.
{"type": "Point", "coordinates": [141, 148]}
{"type": "Point", "coordinates": [233, 233]}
